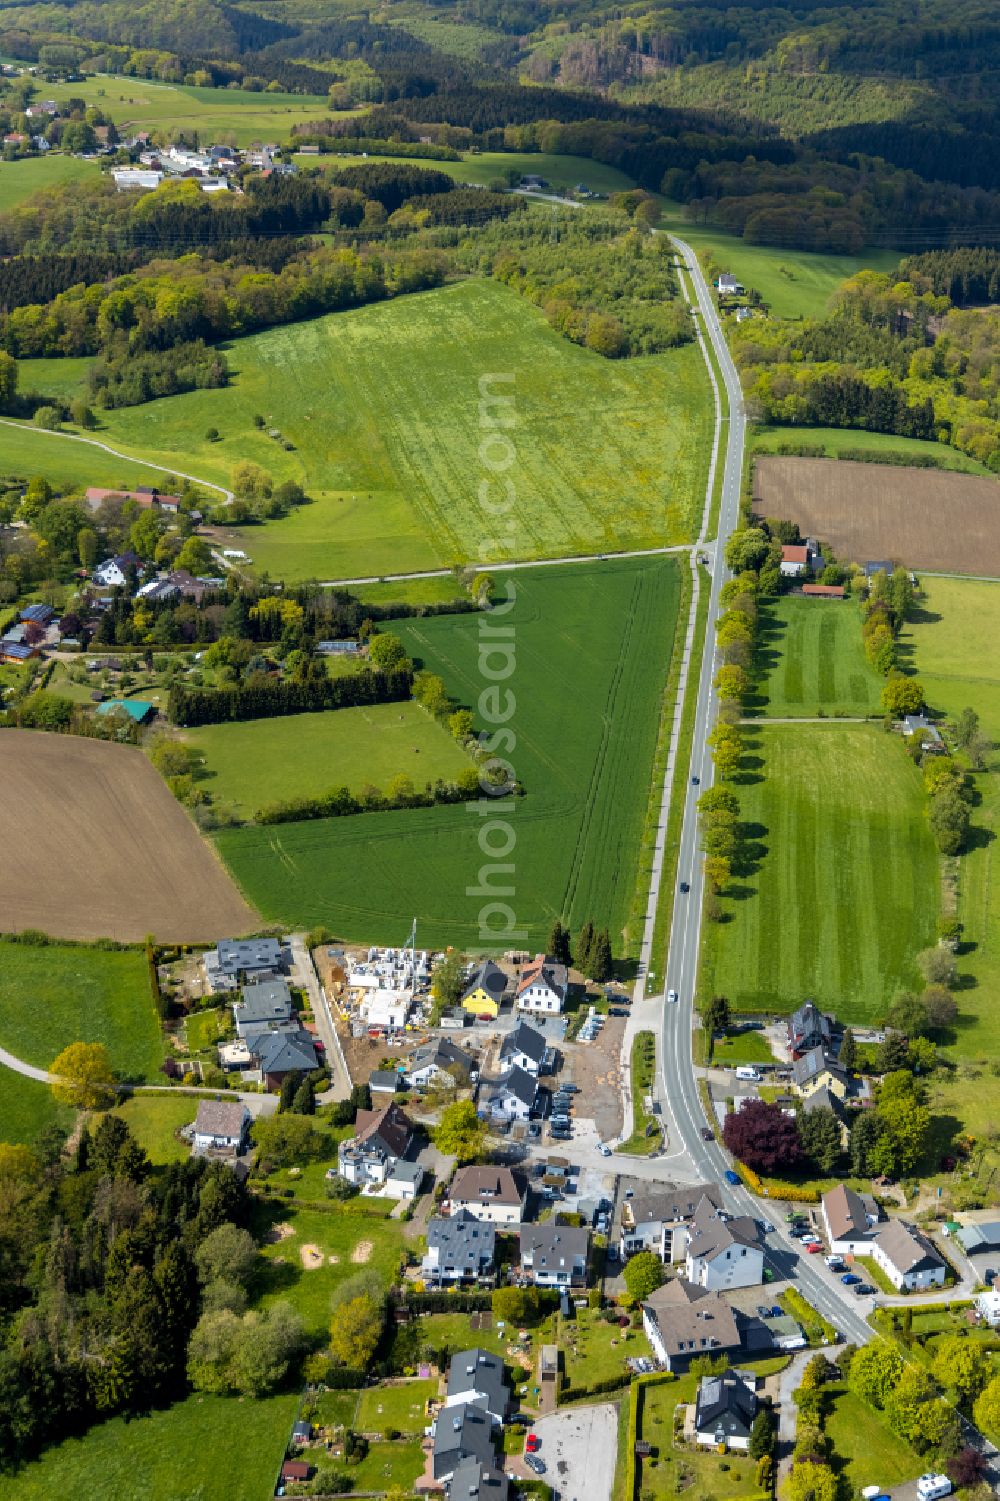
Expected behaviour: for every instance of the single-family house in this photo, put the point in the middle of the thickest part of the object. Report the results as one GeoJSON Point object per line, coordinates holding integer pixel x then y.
{"type": "Point", "coordinates": [440, 1062]}
{"type": "Point", "coordinates": [728, 285]}
{"type": "Point", "coordinates": [809, 1028]}
{"type": "Point", "coordinates": [983, 1235]}
{"type": "Point", "coordinates": [234, 961]}
{"type": "Point", "coordinates": [849, 1220]}
{"type": "Point", "coordinates": [113, 572]}
{"type": "Point", "coordinates": [825, 1099]}
{"type": "Point", "coordinates": [220, 1128]}
{"type": "Point", "coordinates": [794, 559]}
{"type": "Point", "coordinates": [909, 1258]}
{"type": "Point", "coordinates": [381, 1138]}
{"type": "Point", "coordinates": [386, 1010]}
{"type": "Point", "coordinates": [878, 565]}
{"type": "Point", "coordinates": [819, 1069]}
{"type": "Point", "coordinates": [555, 1255]}
{"type": "Point", "coordinates": [296, 1470]}
{"type": "Point", "coordinates": [492, 1194]}
{"type": "Point", "coordinates": [265, 1003]}
{"type": "Point", "coordinates": [139, 710]}
{"type": "Point", "coordinates": [16, 652]}
{"type": "Point", "coordinates": [723, 1251]}
{"type": "Point", "coordinates": [461, 1433]}
{"type": "Point", "coordinates": [513, 1098]}
{"type": "Point", "coordinates": [524, 1048]}
{"type": "Point", "coordinates": [988, 1307]}
{"type": "Point", "coordinates": [478, 1376]}
{"type": "Point", "coordinates": [474, 1481]}
{"type": "Point", "coordinates": [40, 615]}
{"type": "Point", "coordinates": [542, 986]}
{"type": "Point", "coordinates": [148, 497]}
{"type": "Point", "coordinates": [282, 1051]}
{"type": "Point", "coordinates": [485, 991]}
{"type": "Point", "coordinates": [682, 1321]}
{"type": "Point", "coordinates": [724, 1410]}
{"type": "Point", "coordinates": [459, 1249]}
{"type": "Point", "coordinates": [656, 1217]}
{"type": "Point", "coordinates": [404, 1180]}
{"type": "Point", "coordinates": [918, 727]}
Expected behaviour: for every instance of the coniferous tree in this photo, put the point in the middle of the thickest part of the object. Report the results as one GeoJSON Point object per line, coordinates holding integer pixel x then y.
{"type": "Point", "coordinates": [584, 947]}
{"type": "Point", "coordinates": [559, 943]}
{"type": "Point", "coordinates": [601, 961]}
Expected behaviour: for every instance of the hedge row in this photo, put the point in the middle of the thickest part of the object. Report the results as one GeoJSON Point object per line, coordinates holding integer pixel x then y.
{"type": "Point", "coordinates": [269, 700]}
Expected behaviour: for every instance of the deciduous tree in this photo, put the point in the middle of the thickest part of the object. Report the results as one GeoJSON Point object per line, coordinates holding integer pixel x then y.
{"type": "Point", "coordinates": [875, 1372]}
{"type": "Point", "coordinates": [902, 695]}
{"type": "Point", "coordinates": [460, 1133]}
{"type": "Point", "coordinates": [762, 1136]}
{"type": "Point", "coordinates": [356, 1330]}
{"type": "Point", "coordinates": [643, 1274]}
{"type": "Point", "coordinates": [82, 1076]}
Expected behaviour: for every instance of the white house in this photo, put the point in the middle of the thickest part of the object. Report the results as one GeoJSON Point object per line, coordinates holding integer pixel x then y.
{"type": "Point", "coordinates": [513, 1098]}
{"type": "Point", "coordinates": [656, 1217]}
{"type": "Point", "coordinates": [850, 1221]}
{"type": "Point", "coordinates": [524, 1048]}
{"type": "Point", "coordinates": [723, 1252]}
{"type": "Point", "coordinates": [459, 1249]}
{"type": "Point", "coordinates": [988, 1307]}
{"type": "Point", "coordinates": [111, 573]}
{"type": "Point", "coordinates": [381, 1138]}
{"type": "Point", "coordinates": [542, 986]}
{"type": "Point", "coordinates": [909, 1259]}
{"type": "Point", "coordinates": [489, 1193]}
{"type": "Point", "coordinates": [555, 1255]}
{"type": "Point", "coordinates": [131, 178]}
{"type": "Point", "coordinates": [724, 1411]}
{"type": "Point", "coordinates": [221, 1126]}
{"type": "Point", "coordinates": [728, 285]}
{"type": "Point", "coordinates": [440, 1062]}
{"type": "Point", "coordinates": [386, 1009]}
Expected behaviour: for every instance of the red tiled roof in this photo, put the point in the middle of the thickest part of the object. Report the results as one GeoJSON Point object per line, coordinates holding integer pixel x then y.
{"type": "Point", "coordinates": [794, 554]}
{"type": "Point", "coordinates": [829, 591]}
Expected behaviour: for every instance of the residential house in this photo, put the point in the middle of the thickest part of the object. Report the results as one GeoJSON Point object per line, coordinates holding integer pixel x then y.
{"type": "Point", "coordinates": [478, 1376]}
{"type": "Point", "coordinates": [139, 710]}
{"type": "Point", "coordinates": [381, 1138]}
{"type": "Point", "coordinates": [41, 615]}
{"type": "Point", "coordinates": [542, 986]}
{"type": "Point", "coordinates": [283, 1051]}
{"type": "Point", "coordinates": [264, 1003]}
{"type": "Point", "coordinates": [513, 1098]}
{"type": "Point", "coordinates": [555, 1255]}
{"type": "Point", "coordinates": [724, 1411]}
{"type": "Point", "coordinates": [728, 285]}
{"type": "Point", "coordinates": [656, 1217]}
{"type": "Point", "coordinates": [440, 1062]}
{"type": "Point", "coordinates": [492, 1194]}
{"type": "Point", "coordinates": [794, 560]}
{"type": "Point", "coordinates": [526, 1049]}
{"type": "Point", "coordinates": [980, 1236]}
{"type": "Point", "coordinates": [918, 727]}
{"type": "Point", "coordinates": [384, 1083]}
{"type": "Point", "coordinates": [473, 1481]}
{"type": "Point", "coordinates": [909, 1258]}
{"type": "Point", "coordinates": [234, 961]}
{"type": "Point", "coordinates": [723, 1251]}
{"type": "Point", "coordinates": [819, 1069]}
{"type": "Point", "coordinates": [485, 991]}
{"type": "Point", "coordinates": [988, 1307]}
{"type": "Point", "coordinates": [296, 1471]}
{"type": "Point", "coordinates": [878, 566]}
{"type": "Point", "coordinates": [113, 572]}
{"type": "Point", "coordinates": [459, 1249]}
{"type": "Point", "coordinates": [825, 1099]}
{"type": "Point", "coordinates": [682, 1321]}
{"type": "Point", "coordinates": [404, 1180]}
{"type": "Point", "coordinates": [385, 1010]}
{"type": "Point", "coordinates": [809, 1028]}
{"type": "Point", "coordinates": [849, 1220]}
{"type": "Point", "coordinates": [221, 1128]}
{"type": "Point", "coordinates": [462, 1433]}
{"type": "Point", "coordinates": [148, 497]}
{"type": "Point", "coordinates": [16, 652]}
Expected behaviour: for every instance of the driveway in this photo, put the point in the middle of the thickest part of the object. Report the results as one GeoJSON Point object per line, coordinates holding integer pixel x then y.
{"type": "Point", "coordinates": [579, 1446]}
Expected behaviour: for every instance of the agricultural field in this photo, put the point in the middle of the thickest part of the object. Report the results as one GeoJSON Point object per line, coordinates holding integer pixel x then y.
{"type": "Point", "coordinates": [419, 591]}
{"type": "Point", "coordinates": [810, 660]}
{"type": "Point", "coordinates": [843, 890]}
{"type": "Point", "coordinates": [837, 440]}
{"type": "Point", "coordinates": [584, 757]}
{"type": "Point", "coordinates": [53, 995]}
{"type": "Point", "coordinates": [309, 1252]}
{"type": "Point", "coordinates": [383, 406]}
{"type": "Point", "coordinates": [915, 516]}
{"type": "Point", "coordinates": [19, 181]}
{"type": "Point", "coordinates": [266, 761]}
{"type": "Point", "coordinates": [239, 116]}
{"type": "Point", "coordinates": [951, 644]}
{"type": "Point", "coordinates": [209, 1441]}
{"type": "Point", "coordinates": [95, 846]}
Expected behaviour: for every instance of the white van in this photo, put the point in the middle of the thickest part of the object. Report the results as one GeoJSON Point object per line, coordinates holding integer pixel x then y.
{"type": "Point", "coordinates": [746, 1071]}
{"type": "Point", "coordinates": [932, 1487]}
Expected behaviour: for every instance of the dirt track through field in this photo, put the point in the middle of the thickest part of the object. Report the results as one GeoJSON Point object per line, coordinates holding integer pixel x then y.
{"type": "Point", "coordinates": [95, 846]}
{"type": "Point", "coordinates": [923, 518]}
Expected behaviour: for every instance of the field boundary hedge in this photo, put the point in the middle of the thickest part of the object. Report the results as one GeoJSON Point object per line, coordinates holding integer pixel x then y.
{"type": "Point", "coordinates": [195, 706]}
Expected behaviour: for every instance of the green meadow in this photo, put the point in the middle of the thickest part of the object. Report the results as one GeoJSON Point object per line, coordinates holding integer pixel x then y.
{"type": "Point", "coordinates": [20, 180]}
{"type": "Point", "coordinates": [837, 440]}
{"type": "Point", "coordinates": [842, 891]}
{"type": "Point", "coordinates": [65, 463]}
{"type": "Point", "coordinates": [203, 1449]}
{"type": "Point", "coordinates": [265, 761]}
{"type": "Point", "coordinates": [592, 652]}
{"type": "Point", "coordinates": [154, 1120]}
{"type": "Point", "coordinates": [62, 993]}
{"type": "Point", "coordinates": [951, 644]}
{"type": "Point", "coordinates": [346, 1242]}
{"type": "Point", "coordinates": [484, 168]}
{"type": "Point", "coordinates": [27, 1107]}
{"type": "Point", "coordinates": [382, 404]}
{"type": "Point", "coordinates": [811, 660]}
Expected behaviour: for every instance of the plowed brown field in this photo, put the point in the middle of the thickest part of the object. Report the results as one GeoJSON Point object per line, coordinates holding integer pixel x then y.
{"type": "Point", "coordinates": [921, 517]}
{"type": "Point", "coordinates": [93, 845]}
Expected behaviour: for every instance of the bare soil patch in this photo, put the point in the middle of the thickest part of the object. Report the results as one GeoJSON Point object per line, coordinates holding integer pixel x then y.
{"type": "Point", "coordinates": [278, 1233]}
{"type": "Point", "coordinates": [923, 518]}
{"type": "Point", "coordinates": [95, 846]}
{"type": "Point", "coordinates": [311, 1257]}
{"type": "Point", "coordinates": [362, 1252]}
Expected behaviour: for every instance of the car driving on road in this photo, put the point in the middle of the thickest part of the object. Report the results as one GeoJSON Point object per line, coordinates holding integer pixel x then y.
{"type": "Point", "coordinates": [672, 997]}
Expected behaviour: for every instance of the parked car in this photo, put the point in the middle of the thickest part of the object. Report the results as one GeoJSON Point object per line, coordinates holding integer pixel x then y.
{"type": "Point", "coordinates": [604, 1149]}
{"type": "Point", "coordinates": [813, 1247]}
{"type": "Point", "coordinates": [849, 1279]}
{"type": "Point", "coordinates": [767, 1227]}
{"type": "Point", "coordinates": [570, 1088]}
{"type": "Point", "coordinates": [864, 1290]}
{"type": "Point", "coordinates": [616, 1011]}
{"type": "Point", "coordinates": [707, 1134]}
{"type": "Point", "coordinates": [833, 1261]}
{"type": "Point", "coordinates": [763, 1311]}
{"type": "Point", "coordinates": [532, 1443]}
{"type": "Point", "coordinates": [534, 1463]}
{"type": "Point", "coordinates": [811, 1238]}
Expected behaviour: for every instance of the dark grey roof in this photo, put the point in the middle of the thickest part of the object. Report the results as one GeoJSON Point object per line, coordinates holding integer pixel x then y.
{"type": "Point", "coordinates": [984, 1236]}
{"type": "Point", "coordinates": [809, 1021]}
{"type": "Point", "coordinates": [526, 1040]}
{"type": "Point", "coordinates": [554, 1248]}
{"type": "Point", "coordinates": [464, 1431]}
{"type": "Point", "coordinates": [383, 1078]}
{"type": "Point", "coordinates": [522, 1085]}
{"type": "Point", "coordinates": [908, 1248]}
{"type": "Point", "coordinates": [265, 1001]}
{"type": "Point", "coordinates": [441, 1053]}
{"type": "Point", "coordinates": [248, 953]}
{"type": "Point", "coordinates": [724, 1402]}
{"type": "Point", "coordinates": [813, 1063]}
{"type": "Point", "coordinates": [479, 1372]}
{"type": "Point", "coordinates": [473, 1481]}
{"type": "Point", "coordinates": [462, 1239]}
{"type": "Point", "coordinates": [669, 1204]}
{"type": "Point", "coordinates": [490, 977]}
{"type": "Point", "coordinates": [712, 1233]}
{"type": "Point", "coordinates": [281, 1052]}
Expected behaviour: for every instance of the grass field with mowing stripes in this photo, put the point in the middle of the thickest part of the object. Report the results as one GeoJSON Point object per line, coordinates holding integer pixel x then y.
{"type": "Point", "coordinates": [845, 893]}
{"type": "Point", "coordinates": [592, 647]}
{"type": "Point", "coordinates": [811, 661]}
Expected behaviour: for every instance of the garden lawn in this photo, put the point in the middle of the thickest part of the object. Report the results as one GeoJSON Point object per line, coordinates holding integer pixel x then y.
{"type": "Point", "coordinates": [334, 1409]}
{"type": "Point", "coordinates": [154, 1120]}
{"type": "Point", "coordinates": [744, 1047]}
{"type": "Point", "coordinates": [349, 1243]}
{"type": "Point", "coordinates": [951, 644]}
{"type": "Point", "coordinates": [867, 1451]}
{"type": "Point", "coordinates": [402, 1406]}
{"type": "Point", "coordinates": [262, 761]}
{"type": "Point", "coordinates": [19, 181]}
{"type": "Point", "coordinates": [209, 1448]}
{"type": "Point", "coordinates": [696, 1474]}
{"type": "Point", "coordinates": [27, 1107]}
{"type": "Point", "coordinates": [838, 440]}
{"type": "Point", "coordinates": [203, 1029]}
{"type": "Point", "coordinates": [387, 1465]}
{"type": "Point", "coordinates": [810, 660]}
{"type": "Point", "coordinates": [592, 649]}
{"type": "Point", "coordinates": [844, 893]}
{"type": "Point", "coordinates": [58, 994]}
{"type": "Point", "coordinates": [382, 404]}
{"type": "Point", "coordinates": [597, 1349]}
